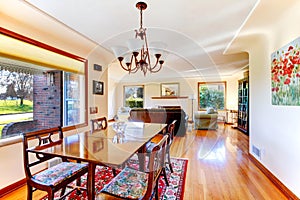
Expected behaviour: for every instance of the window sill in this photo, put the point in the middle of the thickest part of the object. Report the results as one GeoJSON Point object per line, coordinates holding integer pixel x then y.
{"type": "Point", "coordinates": [17, 139]}
{"type": "Point", "coordinates": [10, 141]}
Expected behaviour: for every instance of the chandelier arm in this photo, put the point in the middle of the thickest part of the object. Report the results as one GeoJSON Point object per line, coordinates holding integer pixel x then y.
{"type": "Point", "coordinates": [133, 60]}
{"type": "Point", "coordinates": [154, 71]}
{"type": "Point", "coordinates": [147, 49]}
{"type": "Point", "coordinates": [136, 63]}
{"type": "Point", "coordinates": [125, 68]}
{"type": "Point", "coordinates": [128, 65]}
{"type": "Point", "coordinates": [160, 62]}
{"type": "Point", "coordinates": [135, 69]}
{"type": "Point", "coordinates": [155, 65]}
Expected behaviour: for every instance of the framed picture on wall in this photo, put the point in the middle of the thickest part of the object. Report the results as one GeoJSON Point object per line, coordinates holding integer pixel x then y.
{"type": "Point", "coordinates": [169, 89]}
{"type": "Point", "coordinates": [98, 87]}
{"type": "Point", "coordinates": [285, 75]}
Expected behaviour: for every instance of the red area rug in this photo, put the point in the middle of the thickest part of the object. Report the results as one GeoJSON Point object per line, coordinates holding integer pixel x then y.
{"type": "Point", "coordinates": [175, 190]}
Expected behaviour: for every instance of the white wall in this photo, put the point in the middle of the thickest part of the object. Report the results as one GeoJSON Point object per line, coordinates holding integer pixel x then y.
{"type": "Point", "coordinates": [94, 100]}
{"type": "Point", "coordinates": [11, 168]}
{"type": "Point", "coordinates": [273, 129]}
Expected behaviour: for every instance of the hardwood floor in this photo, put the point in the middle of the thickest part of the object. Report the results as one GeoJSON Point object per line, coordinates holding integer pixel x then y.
{"type": "Point", "coordinates": [218, 168]}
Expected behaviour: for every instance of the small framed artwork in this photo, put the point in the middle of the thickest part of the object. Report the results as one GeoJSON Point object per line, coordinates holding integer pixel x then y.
{"type": "Point", "coordinates": [97, 67]}
{"type": "Point", "coordinates": [98, 87]}
{"type": "Point", "coordinates": [93, 110]}
{"type": "Point", "coordinates": [169, 89]}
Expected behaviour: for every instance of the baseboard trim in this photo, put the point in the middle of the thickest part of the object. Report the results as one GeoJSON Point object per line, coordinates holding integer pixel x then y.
{"type": "Point", "coordinates": [289, 194]}
{"type": "Point", "coordinates": [12, 187]}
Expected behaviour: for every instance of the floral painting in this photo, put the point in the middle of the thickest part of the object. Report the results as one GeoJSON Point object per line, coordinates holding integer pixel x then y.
{"type": "Point", "coordinates": [285, 73]}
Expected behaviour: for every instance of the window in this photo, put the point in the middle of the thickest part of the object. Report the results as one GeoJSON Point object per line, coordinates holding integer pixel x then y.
{"type": "Point", "coordinates": [38, 93]}
{"type": "Point", "coordinates": [34, 99]}
{"type": "Point", "coordinates": [134, 96]}
{"type": "Point", "coordinates": [211, 94]}
{"type": "Point", "coordinates": [73, 101]}
{"type": "Point", "coordinates": [16, 97]}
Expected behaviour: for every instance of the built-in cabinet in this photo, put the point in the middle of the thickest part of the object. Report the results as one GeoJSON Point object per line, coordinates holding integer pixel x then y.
{"type": "Point", "coordinates": [243, 105]}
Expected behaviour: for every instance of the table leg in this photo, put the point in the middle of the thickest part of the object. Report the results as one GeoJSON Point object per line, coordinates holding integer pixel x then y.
{"type": "Point", "coordinates": [91, 181]}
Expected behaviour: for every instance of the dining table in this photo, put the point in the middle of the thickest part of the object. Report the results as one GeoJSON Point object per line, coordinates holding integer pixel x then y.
{"type": "Point", "coordinates": [105, 147]}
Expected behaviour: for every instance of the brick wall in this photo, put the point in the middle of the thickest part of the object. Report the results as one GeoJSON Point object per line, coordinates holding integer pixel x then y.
{"type": "Point", "coordinates": [16, 128]}
{"type": "Point", "coordinates": [47, 102]}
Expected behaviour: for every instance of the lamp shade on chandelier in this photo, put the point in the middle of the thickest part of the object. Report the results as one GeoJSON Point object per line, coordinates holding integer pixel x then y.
{"type": "Point", "coordinates": [136, 56]}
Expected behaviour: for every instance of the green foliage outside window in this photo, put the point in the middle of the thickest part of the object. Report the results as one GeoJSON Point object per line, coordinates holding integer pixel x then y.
{"type": "Point", "coordinates": [212, 96]}
{"type": "Point", "coordinates": [134, 102]}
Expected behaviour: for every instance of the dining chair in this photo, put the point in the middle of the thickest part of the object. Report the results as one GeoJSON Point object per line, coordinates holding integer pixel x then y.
{"type": "Point", "coordinates": [171, 129]}
{"type": "Point", "coordinates": [133, 184]}
{"type": "Point", "coordinates": [53, 178]}
{"type": "Point", "coordinates": [170, 133]}
{"type": "Point", "coordinates": [98, 124]}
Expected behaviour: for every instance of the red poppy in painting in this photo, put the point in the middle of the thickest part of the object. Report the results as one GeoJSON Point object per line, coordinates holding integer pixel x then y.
{"type": "Point", "coordinates": [275, 89]}
{"type": "Point", "coordinates": [287, 81]}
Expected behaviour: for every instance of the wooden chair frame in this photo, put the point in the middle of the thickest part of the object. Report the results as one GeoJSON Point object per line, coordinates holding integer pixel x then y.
{"type": "Point", "coordinates": [171, 129]}
{"type": "Point", "coordinates": [156, 165]}
{"type": "Point", "coordinates": [170, 133]}
{"type": "Point", "coordinates": [98, 124]}
{"type": "Point", "coordinates": [46, 140]}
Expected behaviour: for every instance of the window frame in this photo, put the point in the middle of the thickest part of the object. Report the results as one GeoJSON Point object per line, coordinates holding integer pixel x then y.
{"type": "Point", "coordinates": [212, 83]}
{"type": "Point", "coordinates": [60, 52]}
{"type": "Point", "coordinates": [66, 98]}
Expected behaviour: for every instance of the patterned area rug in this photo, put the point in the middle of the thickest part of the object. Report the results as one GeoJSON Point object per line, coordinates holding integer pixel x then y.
{"type": "Point", "coordinates": [175, 190]}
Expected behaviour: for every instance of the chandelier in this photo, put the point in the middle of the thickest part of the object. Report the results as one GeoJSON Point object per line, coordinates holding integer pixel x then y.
{"type": "Point", "coordinates": [139, 56]}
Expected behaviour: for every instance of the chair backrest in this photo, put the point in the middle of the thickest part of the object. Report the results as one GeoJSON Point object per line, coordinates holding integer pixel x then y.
{"type": "Point", "coordinates": [46, 138]}
{"type": "Point", "coordinates": [171, 130]}
{"type": "Point", "coordinates": [156, 163]}
{"type": "Point", "coordinates": [98, 124]}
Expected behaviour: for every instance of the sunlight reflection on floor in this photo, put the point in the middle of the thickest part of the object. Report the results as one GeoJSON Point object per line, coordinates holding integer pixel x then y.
{"type": "Point", "coordinates": [211, 148]}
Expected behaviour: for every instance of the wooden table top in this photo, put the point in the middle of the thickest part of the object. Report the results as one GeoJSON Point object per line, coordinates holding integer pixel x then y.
{"type": "Point", "coordinates": [103, 147]}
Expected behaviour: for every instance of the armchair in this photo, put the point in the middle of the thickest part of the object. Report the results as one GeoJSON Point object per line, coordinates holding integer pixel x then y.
{"type": "Point", "coordinates": [206, 119]}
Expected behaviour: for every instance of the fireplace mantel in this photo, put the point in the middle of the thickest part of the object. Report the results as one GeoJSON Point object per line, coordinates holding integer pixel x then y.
{"type": "Point", "coordinates": [170, 97]}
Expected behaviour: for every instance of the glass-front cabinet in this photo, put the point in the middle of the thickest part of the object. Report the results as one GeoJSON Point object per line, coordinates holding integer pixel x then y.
{"type": "Point", "coordinates": [243, 105]}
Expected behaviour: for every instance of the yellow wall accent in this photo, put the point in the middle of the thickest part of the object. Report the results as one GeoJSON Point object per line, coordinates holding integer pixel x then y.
{"type": "Point", "coordinates": [19, 50]}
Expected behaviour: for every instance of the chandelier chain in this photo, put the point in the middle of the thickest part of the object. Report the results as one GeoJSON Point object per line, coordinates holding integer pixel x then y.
{"type": "Point", "coordinates": [141, 20]}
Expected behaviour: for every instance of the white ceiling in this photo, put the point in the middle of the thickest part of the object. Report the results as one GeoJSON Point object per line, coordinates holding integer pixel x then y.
{"type": "Point", "coordinates": [197, 32]}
